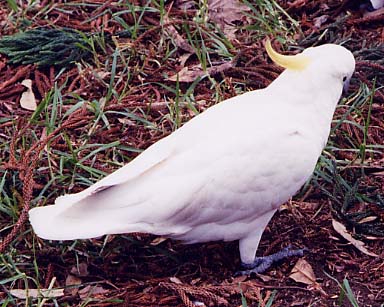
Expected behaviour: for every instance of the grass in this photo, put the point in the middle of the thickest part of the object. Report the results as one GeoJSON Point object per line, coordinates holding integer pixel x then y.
{"type": "Point", "coordinates": [342, 179]}
{"type": "Point", "coordinates": [125, 95]}
{"type": "Point", "coordinates": [268, 17]}
{"type": "Point", "coordinates": [346, 292]}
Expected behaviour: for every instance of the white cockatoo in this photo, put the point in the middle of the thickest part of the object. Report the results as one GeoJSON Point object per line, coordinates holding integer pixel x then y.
{"type": "Point", "coordinates": [224, 173]}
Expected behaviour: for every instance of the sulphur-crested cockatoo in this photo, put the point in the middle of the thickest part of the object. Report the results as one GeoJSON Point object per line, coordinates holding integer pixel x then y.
{"type": "Point", "coordinates": [223, 174]}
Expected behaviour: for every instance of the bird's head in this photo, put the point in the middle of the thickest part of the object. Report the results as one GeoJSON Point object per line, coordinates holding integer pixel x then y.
{"type": "Point", "coordinates": [333, 60]}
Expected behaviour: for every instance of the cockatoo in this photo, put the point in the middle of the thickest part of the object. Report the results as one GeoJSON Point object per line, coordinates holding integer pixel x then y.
{"type": "Point", "coordinates": [224, 173]}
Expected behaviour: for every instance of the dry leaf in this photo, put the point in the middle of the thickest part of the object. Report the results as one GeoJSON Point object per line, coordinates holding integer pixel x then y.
{"type": "Point", "coordinates": [184, 4]}
{"type": "Point", "coordinates": [177, 38]}
{"type": "Point", "coordinates": [303, 272]}
{"type": "Point", "coordinates": [199, 304]}
{"type": "Point", "coordinates": [101, 74]}
{"type": "Point", "coordinates": [175, 280]}
{"type": "Point", "coordinates": [37, 293]}
{"type": "Point", "coordinates": [222, 12]}
{"type": "Point", "coordinates": [189, 74]}
{"type": "Point", "coordinates": [158, 240]}
{"type": "Point", "coordinates": [319, 21]}
{"type": "Point", "coordinates": [71, 281]}
{"type": "Point", "coordinates": [80, 270]}
{"type": "Point", "coordinates": [91, 291]}
{"type": "Point", "coordinates": [195, 281]}
{"type": "Point", "coordinates": [340, 229]}
{"type": "Point", "coordinates": [296, 4]}
{"type": "Point", "coordinates": [368, 219]}
{"type": "Point", "coordinates": [265, 278]}
{"type": "Point", "coordinates": [239, 279]}
{"type": "Point", "coordinates": [184, 58]}
{"type": "Point", "coordinates": [28, 100]}
{"type": "Point", "coordinates": [126, 121]}
{"type": "Point", "coordinates": [225, 12]}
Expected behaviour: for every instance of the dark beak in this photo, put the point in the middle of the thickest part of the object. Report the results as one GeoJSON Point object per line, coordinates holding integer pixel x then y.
{"type": "Point", "coordinates": [346, 86]}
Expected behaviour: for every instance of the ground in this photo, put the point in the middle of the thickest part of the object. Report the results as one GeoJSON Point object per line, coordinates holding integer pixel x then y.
{"type": "Point", "coordinates": [122, 93]}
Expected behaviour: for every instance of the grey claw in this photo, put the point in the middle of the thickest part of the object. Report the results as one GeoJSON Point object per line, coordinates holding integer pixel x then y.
{"type": "Point", "coordinates": [261, 264]}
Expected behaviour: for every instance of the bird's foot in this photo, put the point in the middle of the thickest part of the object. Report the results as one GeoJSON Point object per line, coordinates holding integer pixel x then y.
{"type": "Point", "coordinates": [261, 264]}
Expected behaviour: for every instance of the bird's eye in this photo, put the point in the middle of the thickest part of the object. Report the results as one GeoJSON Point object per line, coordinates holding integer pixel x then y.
{"type": "Point", "coordinates": [344, 78]}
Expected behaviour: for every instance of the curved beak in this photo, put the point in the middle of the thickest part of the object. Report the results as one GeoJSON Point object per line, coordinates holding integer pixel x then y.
{"type": "Point", "coordinates": [346, 85]}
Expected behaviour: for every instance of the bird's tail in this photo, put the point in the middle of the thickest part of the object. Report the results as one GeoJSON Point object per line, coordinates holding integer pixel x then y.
{"type": "Point", "coordinates": [67, 219]}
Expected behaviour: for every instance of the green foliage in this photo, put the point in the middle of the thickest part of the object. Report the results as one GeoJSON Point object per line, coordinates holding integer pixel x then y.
{"type": "Point", "coordinates": [345, 292]}
{"type": "Point", "coordinates": [44, 47]}
{"type": "Point", "coordinates": [13, 5]}
{"type": "Point", "coordinates": [268, 17]}
{"type": "Point", "coordinates": [345, 191]}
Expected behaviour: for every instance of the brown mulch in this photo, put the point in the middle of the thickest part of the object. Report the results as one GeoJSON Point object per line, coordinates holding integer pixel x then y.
{"type": "Point", "coordinates": [136, 270]}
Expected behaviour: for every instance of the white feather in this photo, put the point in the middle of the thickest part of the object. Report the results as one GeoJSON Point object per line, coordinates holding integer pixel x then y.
{"type": "Point", "coordinates": [377, 4]}
{"type": "Point", "coordinates": [223, 174]}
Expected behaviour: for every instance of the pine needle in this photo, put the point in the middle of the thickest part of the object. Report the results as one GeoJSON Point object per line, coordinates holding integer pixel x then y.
{"type": "Point", "coordinates": [45, 47]}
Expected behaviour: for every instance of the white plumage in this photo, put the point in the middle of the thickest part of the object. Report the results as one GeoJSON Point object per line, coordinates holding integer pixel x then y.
{"type": "Point", "coordinates": [224, 173]}
{"type": "Point", "coordinates": [377, 4]}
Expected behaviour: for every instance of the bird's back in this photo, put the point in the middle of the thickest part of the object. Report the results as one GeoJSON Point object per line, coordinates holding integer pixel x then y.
{"type": "Point", "coordinates": [233, 163]}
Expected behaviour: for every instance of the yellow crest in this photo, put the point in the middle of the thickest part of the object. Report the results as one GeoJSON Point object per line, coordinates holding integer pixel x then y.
{"type": "Point", "coordinates": [293, 62]}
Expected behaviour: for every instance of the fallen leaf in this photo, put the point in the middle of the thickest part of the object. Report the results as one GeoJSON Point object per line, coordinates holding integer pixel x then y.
{"type": "Point", "coordinates": [158, 241]}
{"type": "Point", "coordinates": [91, 291]}
{"type": "Point", "coordinates": [184, 4]}
{"type": "Point", "coordinates": [367, 219]}
{"type": "Point", "coordinates": [378, 173]}
{"type": "Point", "coordinates": [341, 230]}
{"type": "Point", "coordinates": [126, 121]}
{"type": "Point", "coordinates": [184, 58]}
{"type": "Point", "coordinates": [324, 7]}
{"type": "Point", "coordinates": [296, 4]}
{"type": "Point", "coordinates": [195, 281]}
{"type": "Point", "coordinates": [175, 280]}
{"type": "Point", "coordinates": [190, 74]}
{"type": "Point", "coordinates": [302, 272]}
{"type": "Point", "coordinates": [319, 21]}
{"type": "Point", "coordinates": [80, 270]}
{"type": "Point", "coordinates": [37, 293]}
{"type": "Point", "coordinates": [71, 281]}
{"type": "Point", "coordinates": [265, 278]}
{"type": "Point", "coordinates": [198, 304]}
{"type": "Point", "coordinates": [225, 12]}
{"type": "Point", "coordinates": [240, 279]}
{"type": "Point", "coordinates": [28, 100]}
{"type": "Point", "coordinates": [101, 74]}
{"type": "Point", "coordinates": [177, 38]}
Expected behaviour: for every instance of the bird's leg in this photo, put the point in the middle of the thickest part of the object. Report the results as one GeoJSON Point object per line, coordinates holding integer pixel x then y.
{"type": "Point", "coordinates": [261, 264]}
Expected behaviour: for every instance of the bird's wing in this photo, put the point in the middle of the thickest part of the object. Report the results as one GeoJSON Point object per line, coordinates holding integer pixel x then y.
{"type": "Point", "coordinates": [205, 174]}
{"type": "Point", "coordinates": [193, 131]}
{"type": "Point", "coordinates": [169, 198]}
